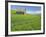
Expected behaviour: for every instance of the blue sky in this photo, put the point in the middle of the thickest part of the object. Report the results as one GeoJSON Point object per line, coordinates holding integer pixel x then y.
{"type": "Point", "coordinates": [29, 9]}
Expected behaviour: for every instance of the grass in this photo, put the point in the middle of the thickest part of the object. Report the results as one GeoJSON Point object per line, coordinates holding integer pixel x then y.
{"type": "Point", "coordinates": [25, 22]}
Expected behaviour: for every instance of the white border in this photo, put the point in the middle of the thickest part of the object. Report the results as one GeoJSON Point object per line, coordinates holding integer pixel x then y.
{"type": "Point", "coordinates": [23, 32]}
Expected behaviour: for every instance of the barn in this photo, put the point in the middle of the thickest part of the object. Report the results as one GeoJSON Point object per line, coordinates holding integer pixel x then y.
{"type": "Point", "coordinates": [20, 10]}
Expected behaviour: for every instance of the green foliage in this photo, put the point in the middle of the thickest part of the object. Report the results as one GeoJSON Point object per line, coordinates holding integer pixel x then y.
{"type": "Point", "coordinates": [13, 11]}
{"type": "Point", "coordinates": [21, 22]}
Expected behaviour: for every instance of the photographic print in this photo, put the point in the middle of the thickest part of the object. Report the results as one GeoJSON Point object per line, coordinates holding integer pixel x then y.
{"type": "Point", "coordinates": [25, 18]}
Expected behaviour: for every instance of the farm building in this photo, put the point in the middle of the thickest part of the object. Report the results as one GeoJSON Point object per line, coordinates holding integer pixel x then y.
{"type": "Point", "coordinates": [20, 10]}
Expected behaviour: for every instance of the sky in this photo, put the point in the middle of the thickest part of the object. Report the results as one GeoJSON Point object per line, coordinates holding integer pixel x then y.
{"type": "Point", "coordinates": [29, 9]}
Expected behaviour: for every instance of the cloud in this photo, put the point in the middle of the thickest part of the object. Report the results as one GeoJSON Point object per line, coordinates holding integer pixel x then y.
{"type": "Point", "coordinates": [33, 12]}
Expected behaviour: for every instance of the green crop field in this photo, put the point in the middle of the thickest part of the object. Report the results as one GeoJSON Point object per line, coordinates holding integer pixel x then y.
{"type": "Point", "coordinates": [20, 22]}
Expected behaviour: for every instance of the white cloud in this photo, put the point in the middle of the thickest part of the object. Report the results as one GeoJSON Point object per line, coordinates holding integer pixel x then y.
{"type": "Point", "coordinates": [33, 12]}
